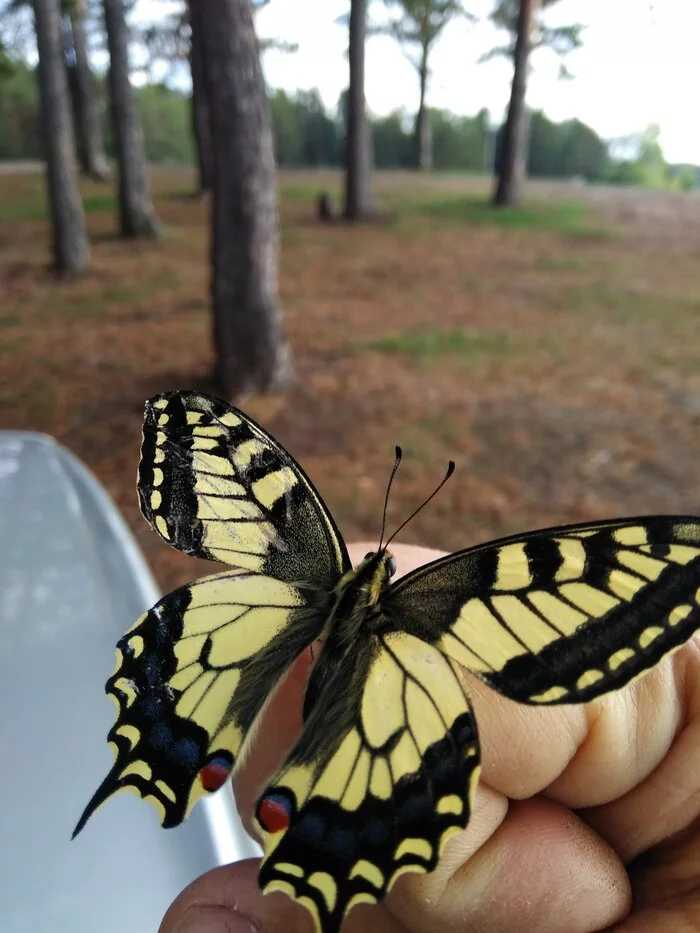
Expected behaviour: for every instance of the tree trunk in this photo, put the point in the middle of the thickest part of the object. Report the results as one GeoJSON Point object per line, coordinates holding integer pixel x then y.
{"type": "Point", "coordinates": [70, 244]}
{"type": "Point", "coordinates": [358, 152]}
{"type": "Point", "coordinates": [252, 354]}
{"type": "Point", "coordinates": [137, 217]}
{"type": "Point", "coordinates": [423, 139]}
{"type": "Point", "coordinates": [511, 177]}
{"type": "Point", "coordinates": [201, 129]}
{"type": "Point", "coordinates": [86, 115]}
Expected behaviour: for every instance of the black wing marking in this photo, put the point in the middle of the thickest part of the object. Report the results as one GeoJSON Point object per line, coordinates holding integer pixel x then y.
{"type": "Point", "coordinates": [561, 615]}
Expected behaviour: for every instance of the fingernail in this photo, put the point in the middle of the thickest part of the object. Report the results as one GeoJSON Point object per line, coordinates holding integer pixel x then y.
{"type": "Point", "coordinates": [214, 920]}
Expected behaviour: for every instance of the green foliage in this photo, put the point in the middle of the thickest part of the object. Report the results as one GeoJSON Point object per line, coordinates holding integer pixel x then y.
{"type": "Point", "coordinates": [287, 125]}
{"type": "Point", "coordinates": [392, 144]}
{"type": "Point", "coordinates": [684, 177]}
{"type": "Point", "coordinates": [565, 150]}
{"type": "Point", "coordinates": [560, 39]}
{"type": "Point", "coordinates": [320, 134]}
{"type": "Point", "coordinates": [165, 118]}
{"type": "Point", "coordinates": [416, 24]}
{"type": "Point", "coordinates": [304, 133]}
{"type": "Point", "coordinates": [625, 172]}
{"type": "Point", "coordinates": [20, 127]}
{"type": "Point", "coordinates": [647, 167]}
{"type": "Point", "coordinates": [459, 142]}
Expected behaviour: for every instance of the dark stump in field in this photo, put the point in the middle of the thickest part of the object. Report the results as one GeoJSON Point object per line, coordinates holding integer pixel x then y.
{"type": "Point", "coordinates": [326, 208]}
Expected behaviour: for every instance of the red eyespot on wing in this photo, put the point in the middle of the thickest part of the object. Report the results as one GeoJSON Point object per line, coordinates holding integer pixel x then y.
{"type": "Point", "coordinates": [274, 812]}
{"type": "Point", "coordinates": [215, 773]}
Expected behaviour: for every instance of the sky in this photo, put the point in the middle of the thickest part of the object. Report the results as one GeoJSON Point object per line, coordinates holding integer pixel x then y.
{"type": "Point", "coordinates": [638, 65]}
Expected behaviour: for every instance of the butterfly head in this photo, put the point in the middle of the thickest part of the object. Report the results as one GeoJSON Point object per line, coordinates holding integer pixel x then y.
{"type": "Point", "coordinates": [376, 570]}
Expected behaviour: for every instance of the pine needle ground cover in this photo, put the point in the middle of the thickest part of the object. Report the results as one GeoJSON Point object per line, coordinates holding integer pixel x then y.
{"type": "Point", "coordinates": [553, 352]}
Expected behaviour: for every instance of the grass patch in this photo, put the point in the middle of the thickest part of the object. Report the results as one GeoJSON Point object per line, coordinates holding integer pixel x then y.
{"type": "Point", "coordinates": [78, 306]}
{"type": "Point", "coordinates": [569, 264]}
{"type": "Point", "coordinates": [304, 191]}
{"type": "Point", "coordinates": [629, 304]}
{"type": "Point", "coordinates": [116, 294]}
{"type": "Point", "coordinates": [9, 320]}
{"type": "Point", "coordinates": [428, 344]}
{"type": "Point", "coordinates": [23, 210]}
{"type": "Point", "coordinates": [95, 203]}
{"type": "Point", "coordinates": [562, 217]}
{"type": "Point", "coordinates": [39, 210]}
{"type": "Point", "coordinates": [12, 344]}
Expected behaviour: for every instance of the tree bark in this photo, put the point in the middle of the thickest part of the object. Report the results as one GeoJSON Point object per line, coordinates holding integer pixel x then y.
{"type": "Point", "coordinates": [511, 177]}
{"type": "Point", "coordinates": [71, 251]}
{"type": "Point", "coordinates": [88, 131]}
{"type": "Point", "coordinates": [137, 216]}
{"type": "Point", "coordinates": [359, 202]}
{"type": "Point", "coordinates": [252, 354]}
{"type": "Point", "coordinates": [201, 129]}
{"type": "Point", "coordinates": [423, 139]}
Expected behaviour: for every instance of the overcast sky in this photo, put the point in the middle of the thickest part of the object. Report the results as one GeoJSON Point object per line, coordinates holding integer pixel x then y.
{"type": "Point", "coordinates": [639, 65]}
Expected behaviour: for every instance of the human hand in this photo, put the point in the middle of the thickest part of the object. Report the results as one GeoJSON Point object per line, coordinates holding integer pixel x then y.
{"type": "Point", "coordinates": [585, 818]}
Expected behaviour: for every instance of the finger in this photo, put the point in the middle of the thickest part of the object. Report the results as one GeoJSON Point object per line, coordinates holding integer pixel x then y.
{"type": "Point", "coordinates": [228, 900]}
{"type": "Point", "coordinates": [541, 870]}
{"type": "Point", "coordinates": [668, 801]}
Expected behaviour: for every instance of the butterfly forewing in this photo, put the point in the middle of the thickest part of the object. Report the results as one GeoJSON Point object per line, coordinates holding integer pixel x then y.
{"type": "Point", "coordinates": [381, 777]}
{"type": "Point", "coordinates": [213, 484]}
{"type": "Point", "coordinates": [562, 615]}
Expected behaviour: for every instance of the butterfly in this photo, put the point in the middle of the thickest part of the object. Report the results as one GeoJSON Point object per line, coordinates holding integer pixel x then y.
{"type": "Point", "coordinates": [387, 763]}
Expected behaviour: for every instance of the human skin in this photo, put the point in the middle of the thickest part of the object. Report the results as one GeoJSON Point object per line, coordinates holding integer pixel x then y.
{"type": "Point", "coordinates": [586, 818]}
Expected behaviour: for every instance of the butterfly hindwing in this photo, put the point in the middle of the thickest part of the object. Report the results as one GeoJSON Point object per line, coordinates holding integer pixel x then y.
{"type": "Point", "coordinates": [213, 484]}
{"type": "Point", "coordinates": [562, 615]}
{"type": "Point", "coordinates": [192, 675]}
{"type": "Point", "coordinates": [384, 772]}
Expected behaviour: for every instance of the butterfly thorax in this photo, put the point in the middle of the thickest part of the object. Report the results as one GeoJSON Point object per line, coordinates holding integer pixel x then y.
{"type": "Point", "coordinates": [358, 596]}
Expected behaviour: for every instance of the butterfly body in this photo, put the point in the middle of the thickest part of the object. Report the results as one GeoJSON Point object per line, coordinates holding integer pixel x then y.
{"type": "Point", "coordinates": [386, 765]}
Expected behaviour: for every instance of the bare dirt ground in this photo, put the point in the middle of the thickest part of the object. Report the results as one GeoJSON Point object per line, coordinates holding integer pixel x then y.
{"type": "Point", "coordinates": [553, 353]}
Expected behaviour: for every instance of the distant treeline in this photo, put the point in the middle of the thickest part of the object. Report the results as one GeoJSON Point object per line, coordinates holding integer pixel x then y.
{"type": "Point", "coordinates": [306, 135]}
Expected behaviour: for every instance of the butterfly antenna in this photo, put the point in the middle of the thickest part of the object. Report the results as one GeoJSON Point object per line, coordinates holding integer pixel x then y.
{"type": "Point", "coordinates": [450, 471]}
{"type": "Point", "coordinates": [399, 455]}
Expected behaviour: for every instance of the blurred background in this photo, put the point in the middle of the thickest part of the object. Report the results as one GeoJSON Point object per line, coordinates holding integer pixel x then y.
{"type": "Point", "coordinates": [470, 228]}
